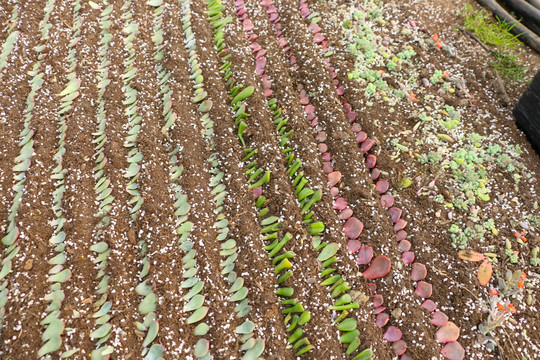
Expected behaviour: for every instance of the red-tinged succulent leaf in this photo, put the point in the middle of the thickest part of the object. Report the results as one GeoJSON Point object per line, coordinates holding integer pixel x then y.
{"type": "Point", "coordinates": [404, 246]}
{"type": "Point", "coordinates": [257, 192]}
{"type": "Point", "coordinates": [382, 319]}
{"type": "Point", "coordinates": [392, 334]}
{"type": "Point", "coordinates": [360, 137]}
{"type": "Point", "coordinates": [255, 47]}
{"type": "Point", "coordinates": [378, 300]}
{"type": "Point", "coordinates": [372, 287]}
{"type": "Point", "coordinates": [418, 272]}
{"type": "Point", "coordinates": [340, 90]}
{"type": "Point", "coordinates": [356, 128]}
{"type": "Point", "coordinates": [395, 213]}
{"type": "Point", "coordinates": [267, 84]}
{"type": "Point", "coordinates": [321, 137]}
{"type": "Point", "coordinates": [314, 28]}
{"type": "Point", "coordinates": [439, 318]}
{"type": "Point", "coordinates": [375, 173]}
{"type": "Point", "coordinates": [345, 214]}
{"type": "Point", "coordinates": [429, 305]}
{"type": "Point", "coordinates": [379, 310]}
{"type": "Point", "coordinates": [318, 38]}
{"type": "Point", "coordinates": [335, 192]}
{"type": "Point", "coordinates": [447, 333]}
{"type": "Point", "coordinates": [333, 178]}
{"type": "Point", "coordinates": [273, 17]}
{"type": "Point", "coordinates": [382, 186]}
{"type": "Point", "coordinates": [248, 25]}
{"type": "Point", "coordinates": [365, 254]}
{"type": "Point", "coordinates": [405, 357]}
{"type": "Point", "coordinates": [453, 351]}
{"type": "Point", "coordinates": [327, 156]}
{"type": "Point", "coordinates": [424, 289]}
{"type": "Point", "coordinates": [470, 255]}
{"type": "Point", "coordinates": [399, 347]}
{"type": "Point", "coordinates": [340, 204]}
{"type": "Point", "coordinates": [253, 37]}
{"type": "Point", "coordinates": [322, 149]}
{"type": "Point", "coordinates": [387, 200]}
{"type": "Point", "coordinates": [260, 64]}
{"type": "Point", "coordinates": [367, 145]}
{"type": "Point", "coordinates": [379, 267]}
{"type": "Point", "coordinates": [371, 161]}
{"type": "Point", "coordinates": [268, 93]}
{"type": "Point", "coordinates": [292, 60]}
{"type": "Point", "coordinates": [400, 225]}
{"type": "Point", "coordinates": [309, 109]}
{"type": "Point", "coordinates": [353, 228]}
{"type": "Point", "coordinates": [485, 270]}
{"type": "Point", "coordinates": [407, 256]}
{"type": "Point", "coordinates": [351, 116]}
{"type": "Point", "coordinates": [401, 235]}
{"type": "Point", "coordinates": [353, 246]}
{"type": "Point", "coordinates": [327, 168]}
{"type": "Point", "coordinates": [282, 43]}
{"type": "Point", "coordinates": [259, 55]}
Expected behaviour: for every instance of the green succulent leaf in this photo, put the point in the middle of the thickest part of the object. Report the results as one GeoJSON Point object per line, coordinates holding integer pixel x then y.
{"type": "Point", "coordinates": [148, 304]}
{"type": "Point", "coordinates": [52, 345]}
{"type": "Point", "coordinates": [364, 355]}
{"type": "Point", "coordinates": [201, 329]}
{"type": "Point", "coordinates": [246, 327]}
{"type": "Point", "coordinates": [54, 329]}
{"type": "Point", "coordinates": [328, 251]}
{"type": "Point", "coordinates": [195, 303]}
{"type": "Point", "coordinates": [348, 324]}
{"type": "Point", "coordinates": [101, 331]}
{"type": "Point", "coordinates": [239, 295]}
{"type": "Point", "coordinates": [244, 94]}
{"type": "Point", "coordinates": [255, 351]}
{"type": "Point", "coordinates": [201, 348]}
{"type": "Point", "coordinates": [70, 353]}
{"type": "Point", "coordinates": [155, 352]}
{"type": "Point", "coordinates": [151, 333]}
{"type": "Point", "coordinates": [315, 228]}
{"type": "Point", "coordinates": [99, 247]}
{"type": "Point", "coordinates": [198, 315]}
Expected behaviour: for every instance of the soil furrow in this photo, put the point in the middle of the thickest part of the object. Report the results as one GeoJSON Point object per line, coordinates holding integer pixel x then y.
{"type": "Point", "coordinates": [157, 219]}
{"type": "Point", "coordinates": [79, 198]}
{"type": "Point", "coordinates": [265, 316]}
{"type": "Point", "coordinates": [175, 335]}
{"type": "Point", "coordinates": [14, 89]}
{"type": "Point", "coordinates": [347, 159]}
{"type": "Point", "coordinates": [256, 270]}
{"type": "Point", "coordinates": [279, 72]}
{"type": "Point", "coordinates": [6, 11]}
{"type": "Point", "coordinates": [263, 135]}
{"type": "Point", "coordinates": [122, 261]}
{"type": "Point", "coordinates": [429, 244]}
{"type": "Point", "coordinates": [22, 332]}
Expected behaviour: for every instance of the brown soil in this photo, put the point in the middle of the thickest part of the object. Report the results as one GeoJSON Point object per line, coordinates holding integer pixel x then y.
{"type": "Point", "coordinates": [455, 287]}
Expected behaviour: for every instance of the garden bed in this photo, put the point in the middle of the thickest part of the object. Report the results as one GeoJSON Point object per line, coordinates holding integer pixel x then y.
{"type": "Point", "coordinates": [193, 179]}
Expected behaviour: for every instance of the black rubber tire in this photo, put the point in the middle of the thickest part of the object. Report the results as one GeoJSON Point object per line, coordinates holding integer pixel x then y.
{"type": "Point", "coordinates": [535, 3]}
{"type": "Point", "coordinates": [530, 14]}
{"type": "Point", "coordinates": [525, 34]}
{"type": "Point", "coordinates": [527, 112]}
